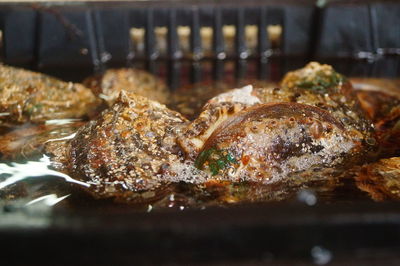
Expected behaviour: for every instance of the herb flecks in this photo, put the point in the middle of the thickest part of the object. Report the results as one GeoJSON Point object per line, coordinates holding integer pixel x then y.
{"type": "Point", "coordinates": [215, 159]}
{"type": "Point", "coordinates": [321, 81]}
{"type": "Point", "coordinates": [314, 76]}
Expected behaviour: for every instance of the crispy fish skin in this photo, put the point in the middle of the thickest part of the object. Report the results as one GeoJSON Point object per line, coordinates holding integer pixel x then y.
{"type": "Point", "coordinates": [26, 96]}
{"type": "Point", "coordinates": [346, 136]}
{"type": "Point", "coordinates": [109, 85]}
{"type": "Point", "coordinates": [128, 148]}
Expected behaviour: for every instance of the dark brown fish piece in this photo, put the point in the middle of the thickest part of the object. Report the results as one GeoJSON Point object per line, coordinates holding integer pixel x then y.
{"type": "Point", "coordinates": [271, 141]}
{"type": "Point", "coordinates": [127, 149]}
{"type": "Point", "coordinates": [312, 121]}
{"type": "Point", "coordinates": [380, 100]}
{"type": "Point", "coordinates": [381, 180]}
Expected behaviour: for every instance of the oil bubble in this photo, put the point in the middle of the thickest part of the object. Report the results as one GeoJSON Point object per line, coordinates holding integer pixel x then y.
{"type": "Point", "coordinates": [307, 196]}
{"type": "Point", "coordinates": [320, 255]}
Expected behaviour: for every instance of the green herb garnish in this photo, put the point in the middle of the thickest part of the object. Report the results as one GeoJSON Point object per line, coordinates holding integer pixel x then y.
{"type": "Point", "coordinates": [321, 82]}
{"type": "Point", "coordinates": [215, 159]}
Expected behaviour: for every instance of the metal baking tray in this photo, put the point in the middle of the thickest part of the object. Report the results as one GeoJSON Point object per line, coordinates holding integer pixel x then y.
{"type": "Point", "coordinates": [74, 39]}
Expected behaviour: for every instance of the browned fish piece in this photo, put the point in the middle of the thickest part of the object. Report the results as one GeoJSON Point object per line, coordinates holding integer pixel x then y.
{"type": "Point", "coordinates": [271, 141]}
{"type": "Point", "coordinates": [377, 96]}
{"type": "Point", "coordinates": [380, 99]}
{"type": "Point", "coordinates": [27, 96]}
{"type": "Point", "coordinates": [381, 180]}
{"type": "Point", "coordinates": [190, 100]}
{"type": "Point", "coordinates": [109, 85]}
{"type": "Point", "coordinates": [312, 121]}
{"type": "Point", "coordinates": [128, 148]}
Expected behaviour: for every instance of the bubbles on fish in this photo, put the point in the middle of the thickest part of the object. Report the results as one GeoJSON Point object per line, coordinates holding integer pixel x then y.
{"type": "Point", "coordinates": [185, 172]}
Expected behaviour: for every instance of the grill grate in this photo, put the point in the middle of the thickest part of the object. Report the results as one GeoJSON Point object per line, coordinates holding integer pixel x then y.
{"type": "Point", "coordinates": [95, 36]}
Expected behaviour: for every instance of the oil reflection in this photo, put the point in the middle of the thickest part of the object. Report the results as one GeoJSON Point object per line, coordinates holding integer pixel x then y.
{"type": "Point", "coordinates": [49, 200]}
{"type": "Point", "coordinates": [16, 172]}
{"type": "Point", "coordinates": [61, 139]}
{"type": "Point", "coordinates": [60, 122]}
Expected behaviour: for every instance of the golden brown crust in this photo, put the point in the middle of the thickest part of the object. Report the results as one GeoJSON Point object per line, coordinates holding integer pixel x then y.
{"type": "Point", "coordinates": [381, 179]}
{"type": "Point", "coordinates": [128, 148]}
{"type": "Point", "coordinates": [271, 141]}
{"type": "Point", "coordinates": [109, 85]}
{"type": "Point", "coordinates": [319, 94]}
{"type": "Point", "coordinates": [380, 100]}
{"type": "Point", "coordinates": [27, 96]}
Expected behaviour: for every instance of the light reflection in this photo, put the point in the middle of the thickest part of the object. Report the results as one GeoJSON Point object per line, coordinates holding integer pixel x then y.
{"type": "Point", "coordinates": [320, 255]}
{"type": "Point", "coordinates": [104, 97]}
{"type": "Point", "coordinates": [49, 200]}
{"type": "Point", "coordinates": [60, 122]}
{"type": "Point", "coordinates": [22, 171]}
{"type": "Point", "coordinates": [63, 138]}
{"type": "Point", "coordinates": [307, 196]}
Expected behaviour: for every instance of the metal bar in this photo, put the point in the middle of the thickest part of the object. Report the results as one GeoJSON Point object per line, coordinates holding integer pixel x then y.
{"type": "Point", "coordinates": [93, 50]}
{"type": "Point", "coordinates": [218, 45]}
{"type": "Point", "coordinates": [240, 45]}
{"type": "Point", "coordinates": [173, 51]}
{"type": "Point", "coordinates": [150, 47]}
{"type": "Point", "coordinates": [100, 42]}
{"type": "Point", "coordinates": [195, 46]}
{"type": "Point", "coordinates": [263, 44]}
{"type": "Point", "coordinates": [172, 36]}
{"type": "Point", "coordinates": [240, 40]}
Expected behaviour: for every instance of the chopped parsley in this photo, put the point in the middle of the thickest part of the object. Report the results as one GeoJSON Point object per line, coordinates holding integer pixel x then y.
{"type": "Point", "coordinates": [321, 82]}
{"type": "Point", "coordinates": [215, 159]}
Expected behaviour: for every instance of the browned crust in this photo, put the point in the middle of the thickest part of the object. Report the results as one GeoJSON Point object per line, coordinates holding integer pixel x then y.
{"type": "Point", "coordinates": [271, 110]}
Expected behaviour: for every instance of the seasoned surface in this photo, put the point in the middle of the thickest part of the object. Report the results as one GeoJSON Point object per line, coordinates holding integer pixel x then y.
{"type": "Point", "coordinates": [381, 179]}
{"type": "Point", "coordinates": [128, 148]}
{"type": "Point", "coordinates": [271, 141]}
{"type": "Point", "coordinates": [190, 100]}
{"type": "Point", "coordinates": [109, 85]}
{"type": "Point", "coordinates": [240, 137]}
{"type": "Point", "coordinates": [26, 96]}
{"type": "Point", "coordinates": [380, 100]}
{"type": "Point", "coordinates": [257, 143]}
